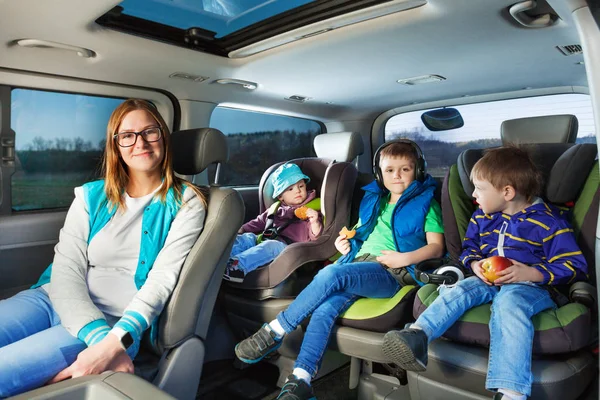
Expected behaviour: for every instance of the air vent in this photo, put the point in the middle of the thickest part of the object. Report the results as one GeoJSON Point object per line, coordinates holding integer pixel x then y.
{"type": "Point", "coordinates": [570, 50]}
{"type": "Point", "coordinates": [417, 80]}
{"type": "Point", "coordinates": [297, 98]}
{"type": "Point", "coordinates": [188, 77]}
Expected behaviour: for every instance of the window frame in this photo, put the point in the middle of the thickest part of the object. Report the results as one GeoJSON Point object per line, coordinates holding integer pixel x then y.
{"type": "Point", "coordinates": [166, 103]}
{"type": "Point", "coordinates": [203, 176]}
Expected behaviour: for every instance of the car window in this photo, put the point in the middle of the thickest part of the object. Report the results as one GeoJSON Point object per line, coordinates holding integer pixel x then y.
{"type": "Point", "coordinates": [482, 126]}
{"type": "Point", "coordinates": [59, 142]}
{"type": "Point", "coordinates": [259, 140]}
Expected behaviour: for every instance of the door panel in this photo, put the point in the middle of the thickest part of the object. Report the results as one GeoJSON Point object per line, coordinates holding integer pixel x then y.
{"type": "Point", "coordinates": [26, 248]}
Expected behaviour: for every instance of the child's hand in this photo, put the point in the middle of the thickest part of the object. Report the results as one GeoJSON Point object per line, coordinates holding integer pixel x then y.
{"type": "Point", "coordinates": [518, 272]}
{"type": "Point", "coordinates": [478, 271]}
{"type": "Point", "coordinates": [312, 215]}
{"type": "Point", "coordinates": [393, 259]}
{"type": "Point", "coordinates": [342, 245]}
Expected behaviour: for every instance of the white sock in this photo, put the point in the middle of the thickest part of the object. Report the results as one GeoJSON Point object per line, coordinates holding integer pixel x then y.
{"type": "Point", "coordinates": [277, 328]}
{"type": "Point", "coordinates": [512, 395]}
{"type": "Point", "coordinates": [415, 326]}
{"type": "Point", "coordinates": [302, 374]}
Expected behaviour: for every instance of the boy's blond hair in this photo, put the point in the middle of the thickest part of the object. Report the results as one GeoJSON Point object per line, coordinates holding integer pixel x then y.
{"type": "Point", "coordinates": [509, 166]}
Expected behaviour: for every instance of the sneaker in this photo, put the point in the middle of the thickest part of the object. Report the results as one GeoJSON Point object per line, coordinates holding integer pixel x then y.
{"type": "Point", "coordinates": [296, 389]}
{"type": "Point", "coordinates": [406, 348]}
{"type": "Point", "coordinates": [257, 346]}
{"type": "Point", "coordinates": [233, 273]}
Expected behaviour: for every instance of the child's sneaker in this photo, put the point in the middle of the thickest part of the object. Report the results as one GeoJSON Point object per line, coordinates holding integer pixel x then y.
{"type": "Point", "coordinates": [232, 272]}
{"type": "Point", "coordinates": [253, 349]}
{"type": "Point", "coordinates": [296, 389]}
{"type": "Point", "coordinates": [406, 348]}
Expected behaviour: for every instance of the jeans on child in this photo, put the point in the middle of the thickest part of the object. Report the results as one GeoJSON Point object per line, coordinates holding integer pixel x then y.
{"type": "Point", "coordinates": [511, 329]}
{"type": "Point", "coordinates": [34, 346]}
{"type": "Point", "coordinates": [250, 255]}
{"type": "Point", "coordinates": [329, 294]}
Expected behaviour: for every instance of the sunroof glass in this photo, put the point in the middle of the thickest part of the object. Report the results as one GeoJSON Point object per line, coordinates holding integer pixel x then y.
{"type": "Point", "coordinates": [220, 16]}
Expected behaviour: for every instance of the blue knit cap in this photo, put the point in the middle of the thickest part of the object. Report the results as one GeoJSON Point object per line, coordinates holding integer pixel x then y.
{"type": "Point", "coordinates": [285, 176]}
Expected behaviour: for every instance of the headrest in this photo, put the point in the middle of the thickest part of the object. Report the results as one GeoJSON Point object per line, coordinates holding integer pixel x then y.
{"type": "Point", "coordinates": [546, 129]}
{"type": "Point", "coordinates": [195, 149]}
{"type": "Point", "coordinates": [570, 172]}
{"type": "Point", "coordinates": [339, 146]}
{"type": "Point", "coordinates": [564, 168]}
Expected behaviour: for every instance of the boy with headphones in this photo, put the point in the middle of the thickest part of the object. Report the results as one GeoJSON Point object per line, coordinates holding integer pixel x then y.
{"type": "Point", "coordinates": [510, 222]}
{"type": "Point", "coordinates": [400, 225]}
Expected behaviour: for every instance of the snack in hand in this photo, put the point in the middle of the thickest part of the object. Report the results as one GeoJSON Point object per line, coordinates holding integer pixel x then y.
{"type": "Point", "coordinates": [300, 212]}
{"type": "Point", "coordinates": [491, 266]}
{"type": "Point", "coordinates": [348, 233]}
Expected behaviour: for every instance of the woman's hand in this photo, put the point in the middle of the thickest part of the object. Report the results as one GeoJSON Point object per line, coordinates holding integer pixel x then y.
{"type": "Point", "coordinates": [478, 271]}
{"type": "Point", "coordinates": [342, 245]}
{"type": "Point", "coordinates": [393, 259]}
{"type": "Point", "coordinates": [518, 272]}
{"type": "Point", "coordinates": [103, 356]}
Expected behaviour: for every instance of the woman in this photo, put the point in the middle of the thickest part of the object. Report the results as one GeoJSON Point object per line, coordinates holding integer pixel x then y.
{"type": "Point", "coordinates": [117, 261]}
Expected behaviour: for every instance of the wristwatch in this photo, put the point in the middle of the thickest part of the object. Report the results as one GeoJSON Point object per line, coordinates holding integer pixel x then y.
{"type": "Point", "coordinates": [126, 340]}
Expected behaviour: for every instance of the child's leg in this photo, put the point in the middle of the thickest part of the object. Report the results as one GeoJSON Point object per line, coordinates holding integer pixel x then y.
{"type": "Point", "coordinates": [362, 279]}
{"type": "Point", "coordinates": [408, 347]}
{"type": "Point", "coordinates": [366, 279]}
{"type": "Point", "coordinates": [33, 345]}
{"type": "Point", "coordinates": [511, 332]}
{"type": "Point", "coordinates": [259, 255]}
{"type": "Point", "coordinates": [319, 328]}
{"type": "Point", "coordinates": [242, 243]}
{"type": "Point", "coordinates": [452, 303]}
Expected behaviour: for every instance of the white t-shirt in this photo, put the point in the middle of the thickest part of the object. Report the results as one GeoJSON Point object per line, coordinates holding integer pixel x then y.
{"type": "Point", "coordinates": [113, 257]}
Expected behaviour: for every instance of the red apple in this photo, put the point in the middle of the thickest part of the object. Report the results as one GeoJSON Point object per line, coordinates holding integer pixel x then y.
{"type": "Point", "coordinates": [491, 266]}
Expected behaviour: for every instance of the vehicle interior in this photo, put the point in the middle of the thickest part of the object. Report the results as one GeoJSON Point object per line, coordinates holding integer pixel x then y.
{"type": "Point", "coordinates": [246, 85]}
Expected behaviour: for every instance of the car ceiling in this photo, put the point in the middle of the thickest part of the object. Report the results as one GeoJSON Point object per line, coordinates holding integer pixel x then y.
{"type": "Point", "coordinates": [474, 44]}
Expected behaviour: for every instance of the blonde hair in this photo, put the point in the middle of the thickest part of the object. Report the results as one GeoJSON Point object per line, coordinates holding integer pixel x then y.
{"type": "Point", "coordinates": [509, 166]}
{"type": "Point", "coordinates": [114, 169]}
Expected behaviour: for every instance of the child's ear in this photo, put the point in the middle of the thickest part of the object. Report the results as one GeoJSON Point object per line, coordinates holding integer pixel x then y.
{"type": "Point", "coordinates": [509, 193]}
{"type": "Point", "coordinates": [280, 197]}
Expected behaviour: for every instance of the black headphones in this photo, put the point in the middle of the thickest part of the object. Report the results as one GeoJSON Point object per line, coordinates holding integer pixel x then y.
{"type": "Point", "coordinates": [444, 271]}
{"type": "Point", "coordinates": [420, 168]}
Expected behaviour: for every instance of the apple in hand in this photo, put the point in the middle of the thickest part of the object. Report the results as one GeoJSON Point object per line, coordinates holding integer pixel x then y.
{"type": "Point", "coordinates": [491, 266]}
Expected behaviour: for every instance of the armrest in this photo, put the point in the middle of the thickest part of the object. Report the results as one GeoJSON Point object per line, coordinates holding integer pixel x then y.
{"type": "Point", "coordinates": [584, 293]}
{"type": "Point", "coordinates": [107, 386]}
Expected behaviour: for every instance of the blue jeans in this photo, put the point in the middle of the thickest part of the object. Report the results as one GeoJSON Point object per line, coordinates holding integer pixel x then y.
{"type": "Point", "coordinates": [34, 346]}
{"type": "Point", "coordinates": [250, 255]}
{"type": "Point", "coordinates": [330, 293]}
{"type": "Point", "coordinates": [511, 329]}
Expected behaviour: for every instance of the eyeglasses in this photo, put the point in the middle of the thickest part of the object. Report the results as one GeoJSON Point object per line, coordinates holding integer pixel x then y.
{"type": "Point", "coordinates": [128, 139]}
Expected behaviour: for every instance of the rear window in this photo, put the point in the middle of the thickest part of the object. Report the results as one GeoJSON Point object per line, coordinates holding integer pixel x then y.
{"type": "Point", "coordinates": [482, 126]}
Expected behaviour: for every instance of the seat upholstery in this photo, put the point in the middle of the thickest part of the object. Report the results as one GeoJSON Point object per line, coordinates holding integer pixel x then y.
{"type": "Point", "coordinates": [174, 364]}
{"type": "Point", "coordinates": [544, 129]}
{"type": "Point", "coordinates": [565, 329]}
{"type": "Point", "coordinates": [334, 183]}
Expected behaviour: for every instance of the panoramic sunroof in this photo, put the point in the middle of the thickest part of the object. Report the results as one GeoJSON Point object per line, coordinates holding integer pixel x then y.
{"type": "Point", "coordinates": [223, 26]}
{"type": "Point", "coordinates": [222, 17]}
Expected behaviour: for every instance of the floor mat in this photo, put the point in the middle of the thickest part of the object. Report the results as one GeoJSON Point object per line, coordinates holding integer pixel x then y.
{"type": "Point", "coordinates": [221, 380]}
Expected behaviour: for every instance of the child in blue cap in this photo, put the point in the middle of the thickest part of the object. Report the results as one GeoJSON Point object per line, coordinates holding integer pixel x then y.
{"type": "Point", "coordinates": [251, 251]}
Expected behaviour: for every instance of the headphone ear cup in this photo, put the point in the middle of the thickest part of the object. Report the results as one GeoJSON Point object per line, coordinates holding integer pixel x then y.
{"type": "Point", "coordinates": [455, 274]}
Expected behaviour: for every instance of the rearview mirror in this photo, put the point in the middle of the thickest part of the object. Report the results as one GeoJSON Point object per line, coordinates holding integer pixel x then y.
{"type": "Point", "coordinates": [442, 119]}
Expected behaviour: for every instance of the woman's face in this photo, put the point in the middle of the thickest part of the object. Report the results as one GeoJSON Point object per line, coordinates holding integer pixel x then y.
{"type": "Point", "coordinates": [143, 156]}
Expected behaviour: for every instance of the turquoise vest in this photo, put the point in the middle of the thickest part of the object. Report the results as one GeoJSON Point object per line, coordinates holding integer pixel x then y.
{"type": "Point", "coordinates": [156, 223]}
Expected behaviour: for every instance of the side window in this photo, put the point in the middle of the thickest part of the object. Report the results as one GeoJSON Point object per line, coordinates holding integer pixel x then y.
{"type": "Point", "coordinates": [258, 140]}
{"type": "Point", "coordinates": [482, 126]}
{"type": "Point", "coordinates": [59, 142]}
